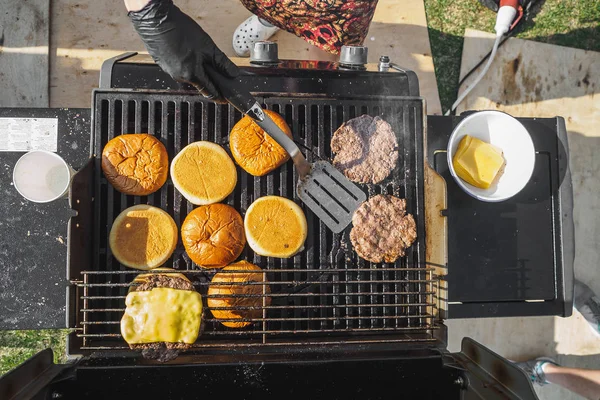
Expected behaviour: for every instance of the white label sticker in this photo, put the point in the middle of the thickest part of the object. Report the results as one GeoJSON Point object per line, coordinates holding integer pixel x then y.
{"type": "Point", "coordinates": [25, 134]}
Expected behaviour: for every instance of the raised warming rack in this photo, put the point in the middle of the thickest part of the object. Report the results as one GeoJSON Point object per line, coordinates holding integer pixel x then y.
{"type": "Point", "coordinates": [324, 294]}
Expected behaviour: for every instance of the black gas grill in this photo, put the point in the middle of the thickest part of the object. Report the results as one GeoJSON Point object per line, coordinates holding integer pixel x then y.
{"type": "Point", "coordinates": [326, 293]}
{"type": "Point", "coordinates": [337, 326]}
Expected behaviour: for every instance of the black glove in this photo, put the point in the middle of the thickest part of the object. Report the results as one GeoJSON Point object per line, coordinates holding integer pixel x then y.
{"type": "Point", "coordinates": [180, 46]}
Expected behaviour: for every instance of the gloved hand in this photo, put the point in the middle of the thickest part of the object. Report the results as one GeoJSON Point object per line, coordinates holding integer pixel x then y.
{"type": "Point", "coordinates": [180, 46]}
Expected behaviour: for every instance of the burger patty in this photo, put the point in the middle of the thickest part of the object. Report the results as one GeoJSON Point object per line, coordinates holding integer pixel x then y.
{"type": "Point", "coordinates": [162, 281]}
{"type": "Point", "coordinates": [365, 149]}
{"type": "Point", "coordinates": [382, 230]}
{"type": "Point", "coordinates": [160, 346]}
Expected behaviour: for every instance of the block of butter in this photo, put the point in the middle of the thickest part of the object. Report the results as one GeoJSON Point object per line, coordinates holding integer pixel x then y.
{"type": "Point", "coordinates": [477, 162]}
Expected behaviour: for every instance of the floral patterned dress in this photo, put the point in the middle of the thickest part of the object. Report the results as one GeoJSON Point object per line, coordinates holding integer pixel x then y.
{"type": "Point", "coordinates": [327, 24]}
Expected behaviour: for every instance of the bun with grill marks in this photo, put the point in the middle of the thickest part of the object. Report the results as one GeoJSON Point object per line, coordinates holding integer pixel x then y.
{"type": "Point", "coordinates": [233, 296]}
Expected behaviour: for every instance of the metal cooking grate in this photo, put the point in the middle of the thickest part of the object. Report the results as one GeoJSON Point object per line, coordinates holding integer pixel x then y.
{"type": "Point", "coordinates": [324, 294]}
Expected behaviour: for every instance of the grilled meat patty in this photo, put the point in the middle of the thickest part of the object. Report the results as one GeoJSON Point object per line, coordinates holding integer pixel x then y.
{"type": "Point", "coordinates": [162, 281]}
{"type": "Point", "coordinates": [382, 230]}
{"type": "Point", "coordinates": [365, 149]}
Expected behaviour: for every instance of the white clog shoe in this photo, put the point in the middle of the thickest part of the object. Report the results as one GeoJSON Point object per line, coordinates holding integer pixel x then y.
{"type": "Point", "coordinates": [249, 32]}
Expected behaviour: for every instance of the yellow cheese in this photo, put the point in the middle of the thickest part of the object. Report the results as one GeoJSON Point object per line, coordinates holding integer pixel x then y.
{"type": "Point", "coordinates": [462, 146]}
{"type": "Point", "coordinates": [477, 162]}
{"type": "Point", "coordinates": [162, 315]}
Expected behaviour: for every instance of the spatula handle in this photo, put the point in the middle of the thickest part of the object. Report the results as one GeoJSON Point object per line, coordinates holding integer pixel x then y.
{"type": "Point", "coordinates": [239, 97]}
{"type": "Point", "coordinates": [232, 90]}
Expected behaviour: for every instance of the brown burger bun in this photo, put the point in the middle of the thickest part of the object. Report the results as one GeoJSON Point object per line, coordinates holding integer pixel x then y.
{"type": "Point", "coordinates": [213, 235]}
{"type": "Point", "coordinates": [143, 237]}
{"type": "Point", "coordinates": [224, 284]}
{"type": "Point", "coordinates": [253, 149]}
{"type": "Point", "coordinates": [203, 173]}
{"type": "Point", "coordinates": [135, 164]}
{"type": "Point", "coordinates": [275, 227]}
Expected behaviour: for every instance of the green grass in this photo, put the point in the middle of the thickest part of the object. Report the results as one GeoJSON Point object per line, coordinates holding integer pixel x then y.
{"type": "Point", "coordinates": [574, 23]}
{"type": "Point", "coordinates": [18, 346]}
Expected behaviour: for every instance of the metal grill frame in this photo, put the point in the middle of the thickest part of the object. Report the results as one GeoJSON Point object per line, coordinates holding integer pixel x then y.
{"type": "Point", "coordinates": [417, 288]}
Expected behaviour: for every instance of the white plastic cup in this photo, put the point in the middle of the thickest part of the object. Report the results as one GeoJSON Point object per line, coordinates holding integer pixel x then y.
{"type": "Point", "coordinates": [42, 176]}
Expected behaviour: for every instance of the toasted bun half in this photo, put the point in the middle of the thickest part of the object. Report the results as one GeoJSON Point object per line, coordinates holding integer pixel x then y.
{"type": "Point", "coordinates": [226, 285]}
{"type": "Point", "coordinates": [213, 235]}
{"type": "Point", "coordinates": [204, 173]}
{"type": "Point", "coordinates": [253, 149]}
{"type": "Point", "coordinates": [275, 227]}
{"type": "Point", "coordinates": [143, 237]}
{"type": "Point", "coordinates": [135, 164]}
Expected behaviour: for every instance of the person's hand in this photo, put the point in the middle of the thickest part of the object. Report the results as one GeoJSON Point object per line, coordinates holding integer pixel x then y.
{"type": "Point", "coordinates": [180, 46]}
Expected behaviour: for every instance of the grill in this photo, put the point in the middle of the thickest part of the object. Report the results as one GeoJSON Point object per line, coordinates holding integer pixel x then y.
{"type": "Point", "coordinates": [326, 293]}
{"type": "Point", "coordinates": [331, 314]}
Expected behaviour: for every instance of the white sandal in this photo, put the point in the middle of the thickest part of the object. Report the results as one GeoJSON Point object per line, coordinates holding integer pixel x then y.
{"type": "Point", "coordinates": [249, 32]}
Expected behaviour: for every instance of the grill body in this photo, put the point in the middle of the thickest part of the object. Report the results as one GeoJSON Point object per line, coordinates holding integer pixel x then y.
{"type": "Point", "coordinates": [324, 295]}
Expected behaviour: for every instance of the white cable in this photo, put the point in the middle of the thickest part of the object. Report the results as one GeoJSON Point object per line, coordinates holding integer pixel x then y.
{"type": "Point", "coordinates": [504, 19]}
{"type": "Point", "coordinates": [479, 77]}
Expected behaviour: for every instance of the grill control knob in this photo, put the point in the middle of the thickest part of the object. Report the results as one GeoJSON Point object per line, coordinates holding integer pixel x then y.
{"type": "Point", "coordinates": [384, 64]}
{"type": "Point", "coordinates": [353, 56]}
{"type": "Point", "coordinates": [264, 52]}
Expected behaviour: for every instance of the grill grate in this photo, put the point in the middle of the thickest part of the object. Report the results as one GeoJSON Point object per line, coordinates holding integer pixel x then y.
{"type": "Point", "coordinates": [326, 293]}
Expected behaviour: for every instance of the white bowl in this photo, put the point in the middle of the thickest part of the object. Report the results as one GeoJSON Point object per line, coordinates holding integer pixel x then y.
{"type": "Point", "coordinates": [505, 132]}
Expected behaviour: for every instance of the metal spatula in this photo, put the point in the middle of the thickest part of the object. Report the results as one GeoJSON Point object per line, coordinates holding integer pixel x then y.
{"type": "Point", "coordinates": [324, 189]}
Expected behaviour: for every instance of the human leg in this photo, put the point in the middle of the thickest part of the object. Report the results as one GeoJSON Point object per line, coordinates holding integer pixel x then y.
{"type": "Point", "coordinates": [544, 370]}
{"type": "Point", "coordinates": [588, 304]}
{"type": "Point", "coordinates": [584, 382]}
{"type": "Point", "coordinates": [327, 24]}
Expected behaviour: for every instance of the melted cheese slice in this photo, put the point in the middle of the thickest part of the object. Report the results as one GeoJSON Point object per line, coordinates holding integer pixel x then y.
{"type": "Point", "coordinates": [162, 315]}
